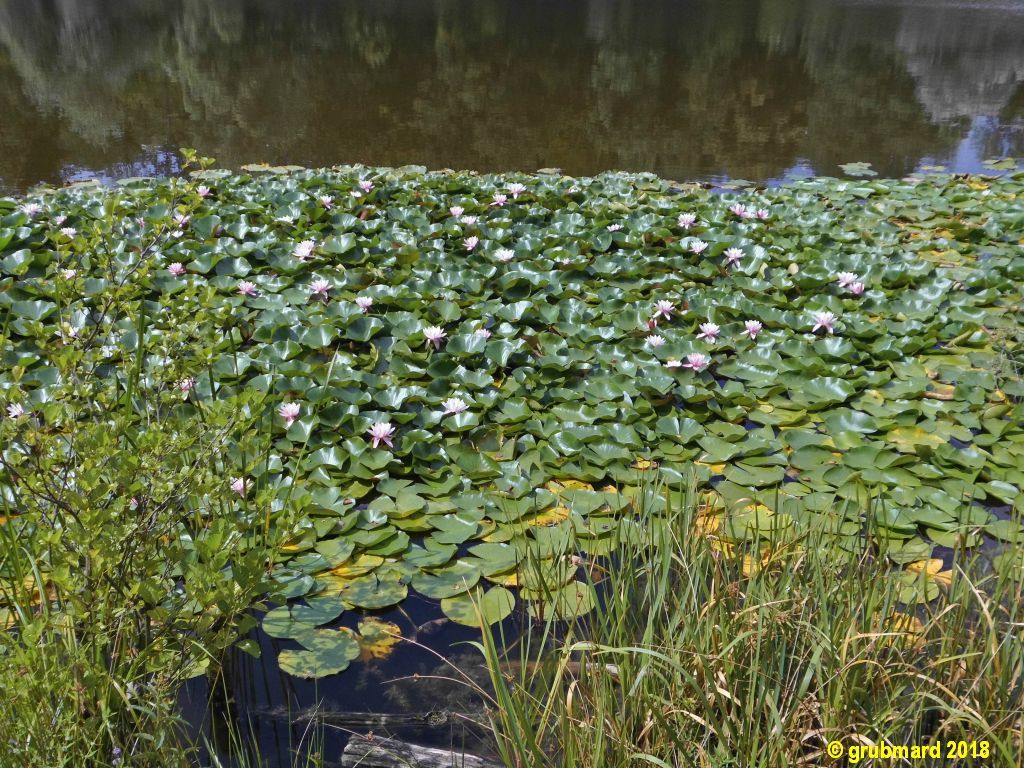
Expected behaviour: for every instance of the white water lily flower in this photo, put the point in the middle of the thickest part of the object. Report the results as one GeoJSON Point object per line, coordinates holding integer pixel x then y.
{"type": "Point", "coordinates": [654, 340]}
{"type": "Point", "coordinates": [697, 361]}
{"type": "Point", "coordinates": [304, 250]}
{"type": "Point", "coordinates": [320, 287]}
{"type": "Point", "coordinates": [456, 211]}
{"type": "Point", "coordinates": [698, 246]}
{"type": "Point", "coordinates": [824, 321]}
{"type": "Point", "coordinates": [454, 405]}
{"type": "Point", "coordinates": [663, 308]}
{"type": "Point", "coordinates": [846, 279]}
{"type": "Point", "coordinates": [516, 190]}
{"type": "Point", "coordinates": [31, 209]}
{"type": "Point", "coordinates": [483, 332]}
{"type": "Point", "coordinates": [69, 232]}
{"type": "Point", "coordinates": [364, 302]}
{"type": "Point", "coordinates": [504, 254]}
{"type": "Point", "coordinates": [290, 413]}
{"type": "Point", "coordinates": [709, 332]}
{"type": "Point", "coordinates": [686, 220]}
{"type": "Point", "coordinates": [613, 227]}
{"type": "Point", "coordinates": [752, 328]}
{"type": "Point", "coordinates": [733, 256]}
{"type": "Point", "coordinates": [239, 485]}
{"type": "Point", "coordinates": [499, 199]}
{"type": "Point", "coordinates": [15, 410]}
{"type": "Point", "coordinates": [434, 335]}
{"type": "Point", "coordinates": [471, 242]}
{"type": "Point", "coordinates": [673, 363]}
{"type": "Point", "coordinates": [857, 289]}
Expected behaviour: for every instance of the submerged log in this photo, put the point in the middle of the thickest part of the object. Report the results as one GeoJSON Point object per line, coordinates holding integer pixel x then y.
{"type": "Point", "coordinates": [384, 752]}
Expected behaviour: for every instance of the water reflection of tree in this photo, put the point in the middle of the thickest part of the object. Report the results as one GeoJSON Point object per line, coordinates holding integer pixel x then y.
{"type": "Point", "coordinates": [735, 87]}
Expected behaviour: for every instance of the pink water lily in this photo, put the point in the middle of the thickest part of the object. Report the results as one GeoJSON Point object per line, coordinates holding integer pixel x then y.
{"type": "Point", "coordinates": [181, 219]}
{"type": "Point", "coordinates": [434, 335]}
{"type": "Point", "coordinates": [846, 279]}
{"type": "Point", "coordinates": [686, 220]}
{"type": "Point", "coordinates": [504, 254]}
{"type": "Point", "coordinates": [673, 363]}
{"type": "Point", "coordinates": [471, 242]}
{"type": "Point", "coordinates": [61, 218]}
{"type": "Point", "coordinates": [740, 210]}
{"type": "Point", "coordinates": [456, 211]}
{"type": "Point", "coordinates": [663, 308]}
{"type": "Point", "coordinates": [304, 250]}
{"type": "Point", "coordinates": [69, 232]}
{"type": "Point", "coordinates": [239, 485]}
{"type": "Point", "coordinates": [69, 274]}
{"type": "Point", "coordinates": [203, 191]}
{"type": "Point", "coordinates": [15, 410]}
{"type": "Point", "coordinates": [499, 199]}
{"type": "Point", "coordinates": [516, 190]}
{"type": "Point", "coordinates": [185, 386]}
{"type": "Point", "coordinates": [31, 209]}
{"type": "Point", "coordinates": [824, 321]}
{"type": "Point", "coordinates": [709, 332]}
{"type": "Point", "coordinates": [733, 256]}
{"type": "Point", "coordinates": [366, 185]}
{"type": "Point", "coordinates": [654, 340]}
{"type": "Point", "coordinates": [290, 413]}
{"type": "Point", "coordinates": [469, 221]}
{"type": "Point", "coordinates": [177, 269]}
{"type": "Point", "coordinates": [454, 405]}
{"type": "Point", "coordinates": [364, 302]}
{"type": "Point", "coordinates": [246, 288]}
{"type": "Point", "coordinates": [320, 287]}
{"type": "Point", "coordinates": [857, 289]}
{"type": "Point", "coordinates": [382, 432]}
{"type": "Point", "coordinates": [483, 332]}
{"type": "Point", "coordinates": [697, 361]}
{"type": "Point", "coordinates": [326, 201]}
{"type": "Point", "coordinates": [752, 328]}
{"type": "Point", "coordinates": [763, 213]}
{"type": "Point", "coordinates": [698, 246]}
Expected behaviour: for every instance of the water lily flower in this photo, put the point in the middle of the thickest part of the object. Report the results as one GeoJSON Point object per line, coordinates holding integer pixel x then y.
{"type": "Point", "coordinates": [697, 361]}
{"type": "Point", "coordinates": [709, 331]}
{"type": "Point", "coordinates": [673, 363]}
{"type": "Point", "coordinates": [698, 246]}
{"type": "Point", "coordinates": [15, 410]}
{"type": "Point", "coordinates": [239, 485]}
{"type": "Point", "coordinates": [366, 185]}
{"type": "Point", "coordinates": [456, 211]}
{"type": "Point", "coordinates": [499, 199]}
{"type": "Point", "coordinates": [857, 289]}
{"type": "Point", "coordinates": [320, 287]}
{"type": "Point", "coordinates": [133, 503]}
{"type": "Point", "coordinates": [185, 386]}
{"type": "Point", "coordinates": [382, 432]}
{"type": "Point", "coordinates": [614, 227]}
{"type": "Point", "coordinates": [61, 218]}
{"type": "Point", "coordinates": [483, 332]}
{"type": "Point", "coordinates": [289, 412]}
{"type": "Point", "coordinates": [326, 201]}
{"type": "Point", "coordinates": [177, 269]}
{"type": "Point", "coordinates": [664, 308]}
{"type": "Point", "coordinates": [654, 340]}
{"type": "Point", "coordinates": [471, 242]}
{"type": "Point", "coordinates": [573, 190]}
{"type": "Point", "coordinates": [504, 254]}
{"type": "Point", "coordinates": [203, 191]}
{"type": "Point", "coordinates": [454, 405]}
{"type": "Point", "coordinates": [825, 321]}
{"type": "Point", "coordinates": [468, 220]}
{"type": "Point", "coordinates": [846, 279]}
{"type": "Point", "coordinates": [434, 334]}
{"type": "Point", "coordinates": [686, 220]}
{"type": "Point", "coordinates": [364, 302]}
{"type": "Point", "coordinates": [304, 250]}
{"type": "Point", "coordinates": [752, 328]}
{"type": "Point", "coordinates": [31, 209]}
{"type": "Point", "coordinates": [181, 219]}
{"type": "Point", "coordinates": [740, 210]}
{"type": "Point", "coordinates": [516, 190]}
{"type": "Point", "coordinates": [69, 232]}
{"type": "Point", "coordinates": [733, 256]}
{"type": "Point", "coordinates": [246, 288]}
{"type": "Point", "coordinates": [69, 274]}
{"type": "Point", "coordinates": [763, 214]}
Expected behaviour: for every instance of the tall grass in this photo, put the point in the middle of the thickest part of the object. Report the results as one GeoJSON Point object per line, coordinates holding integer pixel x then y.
{"type": "Point", "coordinates": [706, 654]}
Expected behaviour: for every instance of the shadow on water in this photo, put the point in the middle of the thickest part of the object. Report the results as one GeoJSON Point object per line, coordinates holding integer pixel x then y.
{"type": "Point", "coordinates": [754, 89]}
{"type": "Point", "coordinates": [418, 693]}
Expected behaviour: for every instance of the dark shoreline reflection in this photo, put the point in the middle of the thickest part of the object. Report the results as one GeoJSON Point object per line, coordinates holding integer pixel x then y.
{"type": "Point", "coordinates": [684, 88]}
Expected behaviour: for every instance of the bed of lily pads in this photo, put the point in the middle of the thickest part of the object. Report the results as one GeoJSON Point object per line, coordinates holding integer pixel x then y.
{"type": "Point", "coordinates": [462, 370]}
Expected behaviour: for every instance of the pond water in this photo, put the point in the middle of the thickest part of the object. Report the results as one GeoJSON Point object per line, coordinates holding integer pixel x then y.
{"type": "Point", "coordinates": [752, 89]}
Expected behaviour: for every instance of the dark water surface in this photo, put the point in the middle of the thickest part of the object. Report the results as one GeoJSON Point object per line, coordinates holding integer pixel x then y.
{"type": "Point", "coordinates": [751, 89]}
